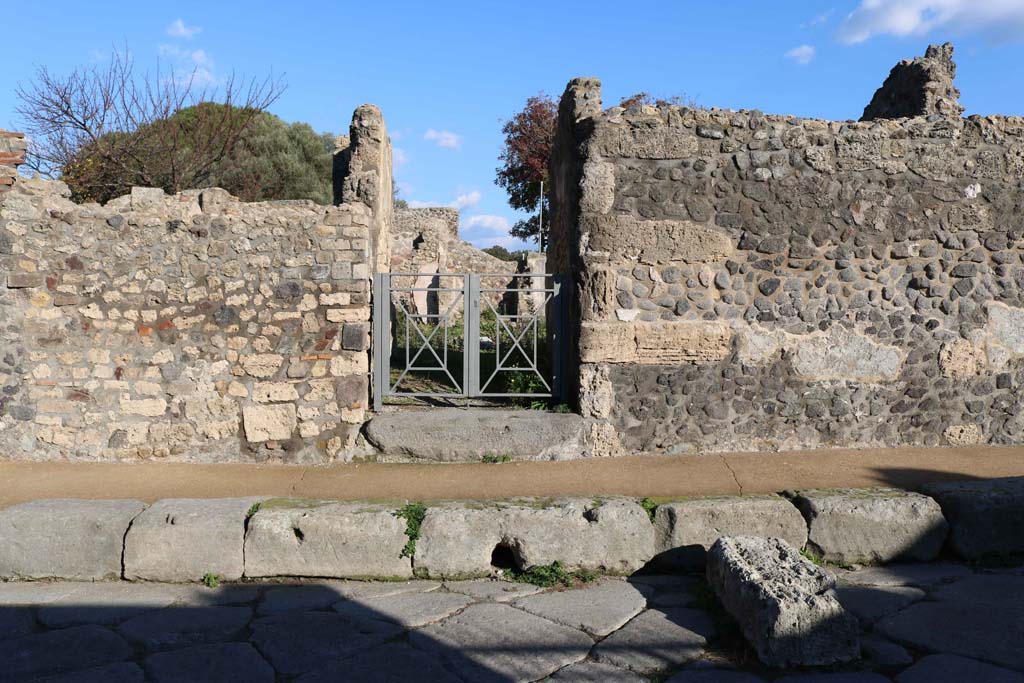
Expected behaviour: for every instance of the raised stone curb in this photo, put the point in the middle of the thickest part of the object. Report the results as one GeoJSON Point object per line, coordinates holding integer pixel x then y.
{"type": "Point", "coordinates": [459, 540]}
{"type": "Point", "coordinates": [872, 525]}
{"type": "Point", "coordinates": [783, 603]}
{"type": "Point", "coordinates": [686, 529]}
{"type": "Point", "coordinates": [331, 540]}
{"type": "Point", "coordinates": [986, 518]}
{"type": "Point", "coordinates": [183, 539]}
{"type": "Point", "coordinates": [65, 538]}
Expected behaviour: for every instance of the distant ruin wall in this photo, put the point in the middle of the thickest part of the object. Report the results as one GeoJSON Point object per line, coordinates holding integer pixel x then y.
{"type": "Point", "coordinates": [755, 282]}
{"type": "Point", "coordinates": [190, 327]}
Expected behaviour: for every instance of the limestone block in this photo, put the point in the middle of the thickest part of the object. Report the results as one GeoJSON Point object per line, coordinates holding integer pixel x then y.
{"type": "Point", "coordinates": [597, 187]}
{"type": "Point", "coordinates": [657, 343]}
{"type": "Point", "coordinates": [986, 517]}
{"type": "Point", "coordinates": [274, 392]}
{"type": "Point", "coordinates": [78, 540]}
{"type": "Point", "coordinates": [350, 363]}
{"type": "Point", "coordinates": [329, 540]}
{"type": "Point", "coordinates": [842, 355]}
{"type": "Point", "coordinates": [262, 365]}
{"type": "Point", "coordinates": [872, 525]}
{"type": "Point", "coordinates": [215, 417]}
{"type": "Point", "coordinates": [149, 407]}
{"type": "Point", "coordinates": [269, 423]}
{"type": "Point", "coordinates": [964, 435]}
{"type": "Point", "coordinates": [182, 539]}
{"type": "Point", "coordinates": [629, 239]}
{"type": "Point", "coordinates": [961, 358]}
{"type": "Point", "coordinates": [782, 602]}
{"type": "Point", "coordinates": [459, 540]}
{"type": "Point", "coordinates": [644, 141]}
{"type": "Point", "coordinates": [686, 529]}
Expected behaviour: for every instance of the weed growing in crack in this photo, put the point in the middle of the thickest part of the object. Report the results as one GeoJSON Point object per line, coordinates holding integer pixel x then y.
{"type": "Point", "coordinates": [253, 509]}
{"type": "Point", "coordinates": [650, 506]}
{"type": "Point", "coordinates": [551, 575]}
{"type": "Point", "coordinates": [413, 514]}
{"type": "Point", "coordinates": [494, 459]}
{"type": "Point", "coordinates": [211, 580]}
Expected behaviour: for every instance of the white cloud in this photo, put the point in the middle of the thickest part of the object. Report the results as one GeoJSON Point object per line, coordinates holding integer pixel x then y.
{"type": "Point", "coordinates": [486, 230]}
{"type": "Point", "coordinates": [466, 200]}
{"type": "Point", "coordinates": [1000, 19]}
{"type": "Point", "coordinates": [443, 138]}
{"type": "Point", "coordinates": [178, 29]}
{"type": "Point", "coordinates": [802, 54]}
{"type": "Point", "coordinates": [399, 156]}
{"type": "Point", "coordinates": [817, 20]}
{"type": "Point", "coordinates": [193, 66]}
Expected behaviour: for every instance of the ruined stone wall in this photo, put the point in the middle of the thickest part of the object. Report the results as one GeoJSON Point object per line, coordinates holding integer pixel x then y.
{"type": "Point", "coordinates": [757, 282]}
{"type": "Point", "coordinates": [12, 155]}
{"type": "Point", "coordinates": [188, 327]}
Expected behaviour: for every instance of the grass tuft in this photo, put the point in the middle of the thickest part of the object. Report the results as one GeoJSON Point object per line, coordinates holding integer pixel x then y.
{"type": "Point", "coordinates": [211, 580]}
{"type": "Point", "coordinates": [650, 506]}
{"type": "Point", "coordinates": [551, 575]}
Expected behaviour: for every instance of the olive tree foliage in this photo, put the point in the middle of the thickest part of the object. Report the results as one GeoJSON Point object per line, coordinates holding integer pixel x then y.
{"type": "Point", "coordinates": [111, 128]}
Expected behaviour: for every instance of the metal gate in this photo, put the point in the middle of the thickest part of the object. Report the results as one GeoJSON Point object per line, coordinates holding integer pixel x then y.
{"type": "Point", "coordinates": [463, 335]}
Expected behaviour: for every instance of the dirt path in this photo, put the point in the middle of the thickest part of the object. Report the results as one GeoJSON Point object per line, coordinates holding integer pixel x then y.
{"type": "Point", "coordinates": [692, 475]}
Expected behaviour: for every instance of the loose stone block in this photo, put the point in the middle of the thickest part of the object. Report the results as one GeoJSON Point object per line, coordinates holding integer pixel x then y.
{"type": "Point", "coordinates": [461, 541]}
{"type": "Point", "coordinates": [328, 540]}
{"type": "Point", "coordinates": [78, 540]}
{"type": "Point", "coordinates": [782, 602]}
{"type": "Point", "coordinates": [870, 526]}
{"type": "Point", "coordinates": [686, 529]}
{"type": "Point", "coordinates": [182, 539]}
{"type": "Point", "coordinates": [986, 518]}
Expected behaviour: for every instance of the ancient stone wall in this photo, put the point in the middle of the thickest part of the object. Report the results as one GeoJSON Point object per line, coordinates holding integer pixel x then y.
{"type": "Point", "coordinates": [189, 327]}
{"type": "Point", "coordinates": [12, 155]}
{"type": "Point", "coordinates": [748, 281]}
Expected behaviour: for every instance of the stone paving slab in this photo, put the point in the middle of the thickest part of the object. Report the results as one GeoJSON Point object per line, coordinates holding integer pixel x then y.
{"type": "Point", "coordinates": [594, 672]}
{"type": "Point", "coordinates": [406, 609]}
{"type": "Point", "coordinates": [838, 677]}
{"type": "Point", "coordinates": [986, 517]}
{"type": "Point", "coordinates": [493, 642]}
{"type": "Point", "coordinates": [389, 663]}
{"type": "Point", "coordinates": [302, 597]}
{"type": "Point", "coordinates": [985, 591]}
{"type": "Point", "coordinates": [656, 640]}
{"type": "Point", "coordinates": [490, 589]}
{"type": "Point", "coordinates": [871, 603]}
{"type": "Point", "coordinates": [15, 621]}
{"type": "Point", "coordinates": [298, 642]}
{"type": "Point", "coordinates": [121, 672]}
{"type": "Point", "coordinates": [884, 654]}
{"type": "Point", "coordinates": [953, 669]}
{"type": "Point", "coordinates": [714, 676]}
{"type": "Point", "coordinates": [210, 664]}
{"type": "Point", "coordinates": [53, 652]}
{"type": "Point", "coordinates": [919, 575]}
{"type": "Point", "coordinates": [177, 627]}
{"type": "Point", "coordinates": [991, 634]}
{"type": "Point", "coordinates": [107, 603]}
{"type": "Point", "coordinates": [598, 609]}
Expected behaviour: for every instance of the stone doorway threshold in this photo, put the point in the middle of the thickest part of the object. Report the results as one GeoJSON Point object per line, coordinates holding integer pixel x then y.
{"type": "Point", "coordinates": [636, 476]}
{"type": "Point", "coordinates": [476, 433]}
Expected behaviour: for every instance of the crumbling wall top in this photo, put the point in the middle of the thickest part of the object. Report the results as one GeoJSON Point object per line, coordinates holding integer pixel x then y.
{"type": "Point", "coordinates": [922, 86]}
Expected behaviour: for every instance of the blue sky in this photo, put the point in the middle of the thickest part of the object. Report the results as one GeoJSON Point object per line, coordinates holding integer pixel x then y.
{"type": "Point", "coordinates": [446, 73]}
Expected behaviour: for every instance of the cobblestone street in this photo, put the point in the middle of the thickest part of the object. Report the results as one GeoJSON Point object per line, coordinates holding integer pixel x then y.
{"type": "Point", "coordinates": [921, 623]}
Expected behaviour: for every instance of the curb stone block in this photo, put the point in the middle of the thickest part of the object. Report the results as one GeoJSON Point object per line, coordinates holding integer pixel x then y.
{"type": "Point", "coordinates": [686, 529]}
{"type": "Point", "coordinates": [458, 540]}
{"type": "Point", "coordinates": [181, 539]}
{"type": "Point", "coordinates": [79, 540]}
{"type": "Point", "coordinates": [860, 526]}
{"type": "Point", "coordinates": [986, 518]}
{"type": "Point", "coordinates": [784, 604]}
{"type": "Point", "coordinates": [331, 540]}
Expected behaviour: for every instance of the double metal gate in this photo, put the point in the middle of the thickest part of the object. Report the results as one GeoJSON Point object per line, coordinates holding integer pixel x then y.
{"type": "Point", "coordinates": [462, 335]}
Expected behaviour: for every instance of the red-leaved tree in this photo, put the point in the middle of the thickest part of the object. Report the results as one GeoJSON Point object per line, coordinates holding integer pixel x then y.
{"type": "Point", "coordinates": [529, 135]}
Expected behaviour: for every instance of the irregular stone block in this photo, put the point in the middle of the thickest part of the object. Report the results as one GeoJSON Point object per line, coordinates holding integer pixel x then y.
{"type": "Point", "coordinates": [329, 540]}
{"type": "Point", "coordinates": [460, 541]}
{"type": "Point", "coordinates": [782, 602]}
{"type": "Point", "coordinates": [842, 355]}
{"type": "Point", "coordinates": [686, 529]}
{"type": "Point", "coordinates": [270, 422]}
{"type": "Point", "coordinates": [630, 239]}
{"type": "Point", "coordinates": [870, 526]}
{"type": "Point", "coordinates": [182, 539]}
{"type": "Point", "coordinates": [657, 343]}
{"type": "Point", "coordinates": [457, 434]}
{"type": "Point", "coordinates": [986, 518]}
{"type": "Point", "coordinates": [78, 540]}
